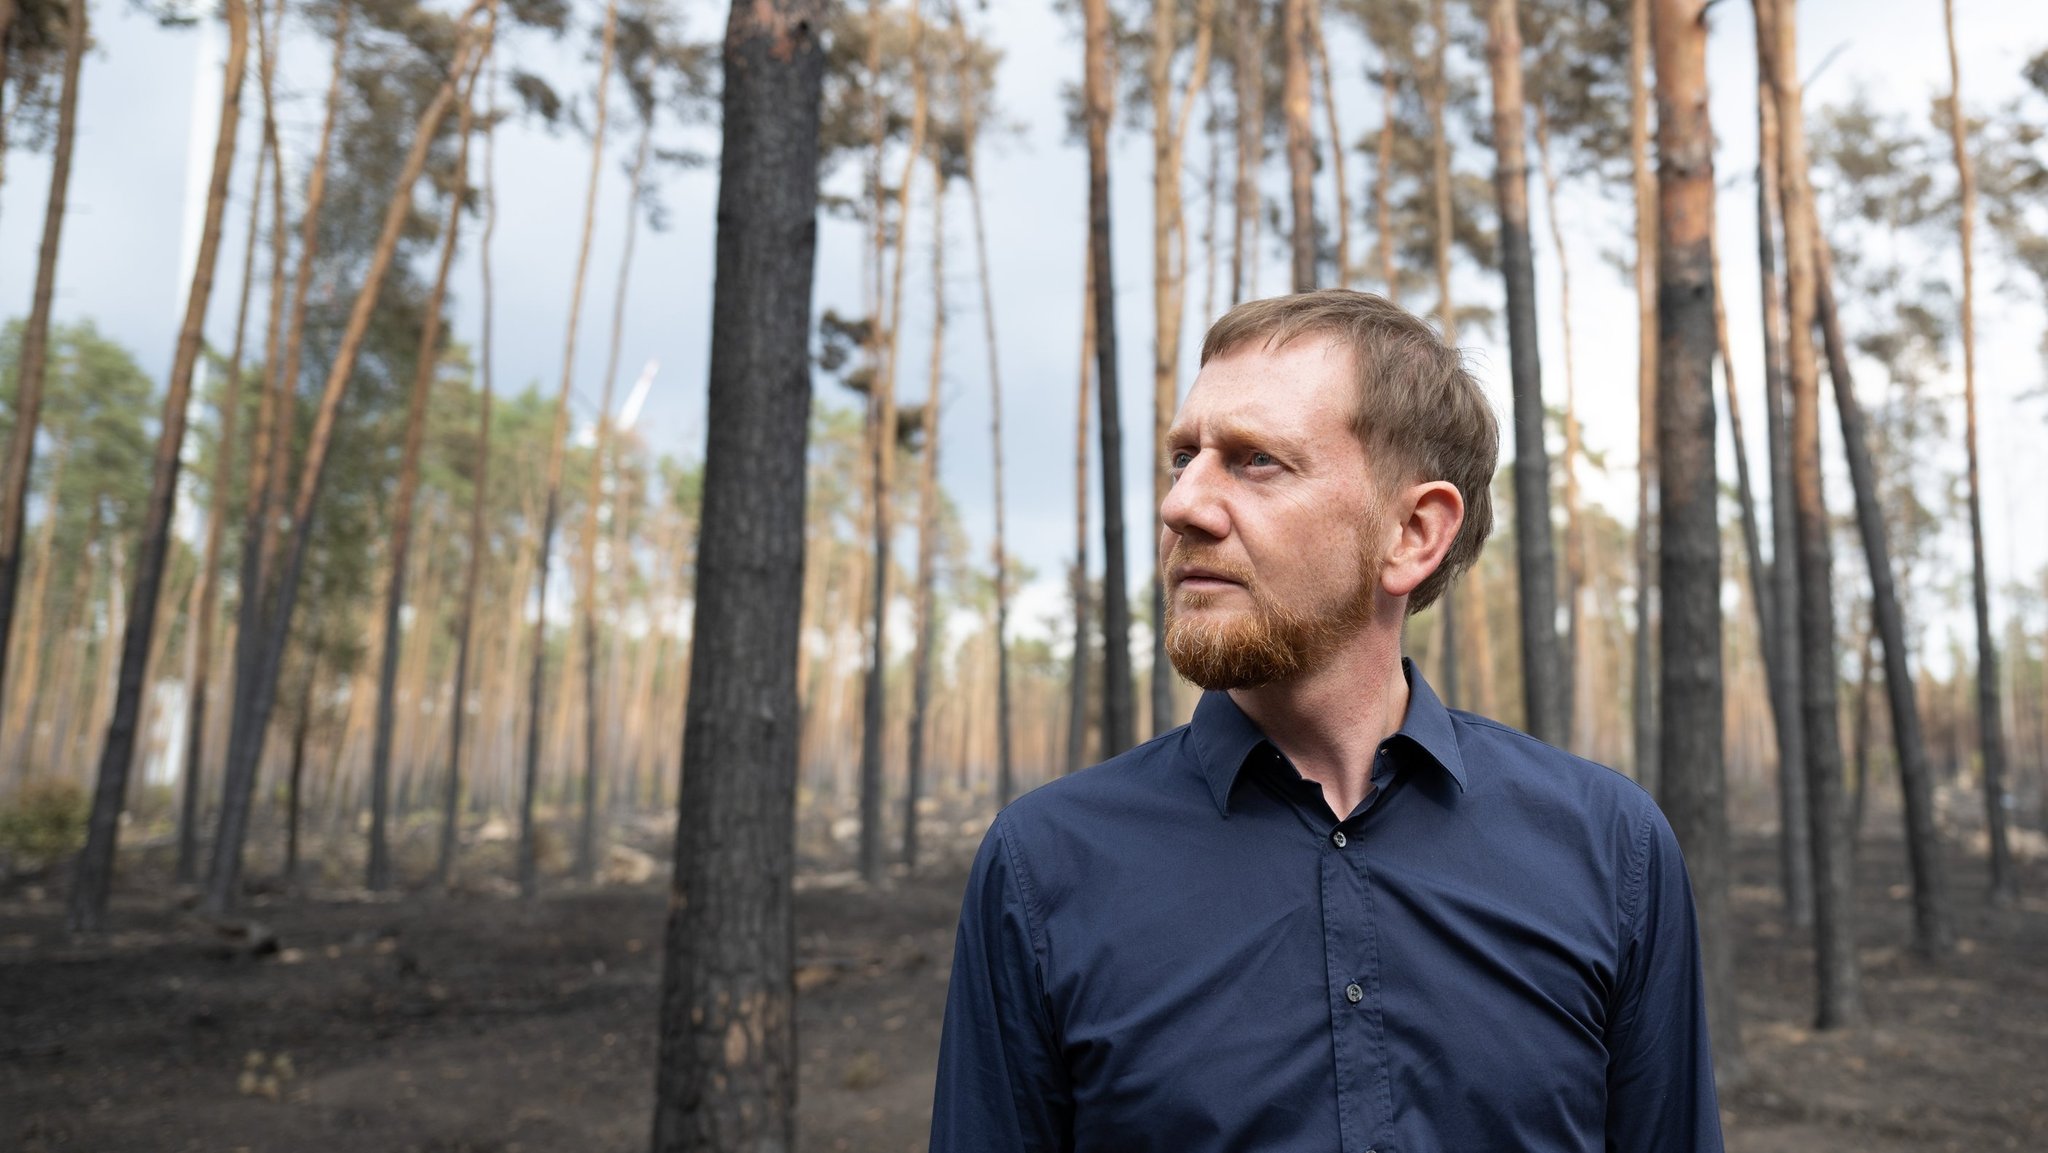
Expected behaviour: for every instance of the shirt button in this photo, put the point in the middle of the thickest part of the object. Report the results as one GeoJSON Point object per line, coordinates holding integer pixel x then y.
{"type": "Point", "coordinates": [1337, 838]}
{"type": "Point", "coordinates": [1353, 993]}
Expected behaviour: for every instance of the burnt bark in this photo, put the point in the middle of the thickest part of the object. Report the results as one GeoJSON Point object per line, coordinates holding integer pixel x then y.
{"type": "Point", "coordinates": [94, 875]}
{"type": "Point", "coordinates": [1693, 782]}
{"type": "Point", "coordinates": [1932, 933]}
{"type": "Point", "coordinates": [1077, 674]}
{"type": "Point", "coordinates": [1839, 995]}
{"type": "Point", "coordinates": [727, 1072]}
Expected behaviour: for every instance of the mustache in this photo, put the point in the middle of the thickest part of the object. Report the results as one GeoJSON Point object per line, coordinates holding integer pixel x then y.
{"type": "Point", "coordinates": [1184, 557]}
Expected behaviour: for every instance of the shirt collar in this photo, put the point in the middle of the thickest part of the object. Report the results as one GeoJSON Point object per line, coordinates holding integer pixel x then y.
{"type": "Point", "coordinates": [1225, 738]}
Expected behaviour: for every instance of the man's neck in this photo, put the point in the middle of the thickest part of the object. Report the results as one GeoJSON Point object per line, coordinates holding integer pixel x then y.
{"type": "Point", "coordinates": [1330, 722]}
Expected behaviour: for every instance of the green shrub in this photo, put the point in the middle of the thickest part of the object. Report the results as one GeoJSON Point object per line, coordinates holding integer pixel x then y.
{"type": "Point", "coordinates": [43, 822]}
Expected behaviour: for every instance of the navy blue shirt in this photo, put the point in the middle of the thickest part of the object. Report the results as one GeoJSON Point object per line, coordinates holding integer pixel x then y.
{"type": "Point", "coordinates": [1183, 949]}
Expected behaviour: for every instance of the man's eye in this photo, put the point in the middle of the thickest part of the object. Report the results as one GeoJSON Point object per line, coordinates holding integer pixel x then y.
{"type": "Point", "coordinates": [1261, 460]}
{"type": "Point", "coordinates": [1182, 459]}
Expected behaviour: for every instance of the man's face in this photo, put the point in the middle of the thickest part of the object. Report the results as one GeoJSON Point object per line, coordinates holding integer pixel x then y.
{"type": "Point", "coordinates": [1273, 533]}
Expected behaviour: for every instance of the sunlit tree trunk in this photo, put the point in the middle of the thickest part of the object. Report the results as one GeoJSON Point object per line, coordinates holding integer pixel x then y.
{"type": "Point", "coordinates": [1170, 118]}
{"type": "Point", "coordinates": [1118, 720]}
{"type": "Point", "coordinates": [1248, 70]}
{"type": "Point", "coordinates": [1839, 995]}
{"type": "Point", "coordinates": [1644, 696]}
{"type": "Point", "coordinates": [93, 878]}
{"type": "Point", "coordinates": [726, 1078]}
{"type": "Point", "coordinates": [1795, 864]}
{"type": "Point", "coordinates": [529, 875]}
{"type": "Point", "coordinates": [1990, 729]}
{"type": "Point", "coordinates": [1383, 185]}
{"type": "Point", "coordinates": [426, 367]}
{"type": "Point", "coordinates": [1932, 934]}
{"type": "Point", "coordinates": [35, 334]}
{"type": "Point", "coordinates": [882, 469]}
{"type": "Point", "coordinates": [1435, 92]}
{"type": "Point", "coordinates": [1692, 782]}
{"type": "Point", "coordinates": [1338, 147]}
{"type": "Point", "coordinates": [1297, 106]}
{"type": "Point", "coordinates": [1535, 562]}
{"type": "Point", "coordinates": [245, 745]}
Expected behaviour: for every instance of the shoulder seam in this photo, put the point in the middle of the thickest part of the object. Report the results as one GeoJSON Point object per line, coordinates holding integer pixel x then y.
{"type": "Point", "coordinates": [1027, 890]}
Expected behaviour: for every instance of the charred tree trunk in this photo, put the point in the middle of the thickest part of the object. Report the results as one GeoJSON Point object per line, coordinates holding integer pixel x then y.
{"type": "Point", "coordinates": [94, 876]}
{"type": "Point", "coordinates": [1932, 934]}
{"type": "Point", "coordinates": [529, 865]}
{"type": "Point", "coordinates": [1840, 1000]}
{"type": "Point", "coordinates": [1118, 721]}
{"type": "Point", "coordinates": [1693, 780]}
{"type": "Point", "coordinates": [1990, 729]}
{"type": "Point", "coordinates": [302, 724]}
{"type": "Point", "coordinates": [727, 1073]}
{"type": "Point", "coordinates": [35, 335]}
{"type": "Point", "coordinates": [1795, 853]}
{"type": "Point", "coordinates": [1535, 561]}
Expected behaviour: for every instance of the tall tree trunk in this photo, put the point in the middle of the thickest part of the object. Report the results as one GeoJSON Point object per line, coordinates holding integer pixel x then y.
{"type": "Point", "coordinates": [1752, 539]}
{"type": "Point", "coordinates": [245, 745]}
{"type": "Point", "coordinates": [925, 615]}
{"type": "Point", "coordinates": [1298, 105]}
{"type": "Point", "coordinates": [1571, 662]}
{"type": "Point", "coordinates": [1795, 853]}
{"type": "Point", "coordinates": [1248, 71]}
{"type": "Point", "coordinates": [1383, 180]}
{"type": "Point", "coordinates": [302, 725]}
{"type": "Point", "coordinates": [1932, 934]}
{"type": "Point", "coordinates": [94, 876]}
{"type": "Point", "coordinates": [1005, 770]}
{"type": "Point", "coordinates": [727, 1073]}
{"type": "Point", "coordinates": [1435, 94]}
{"type": "Point", "coordinates": [187, 870]}
{"type": "Point", "coordinates": [882, 470]}
{"type": "Point", "coordinates": [529, 865]}
{"type": "Point", "coordinates": [1840, 1000]}
{"type": "Point", "coordinates": [1644, 699]}
{"type": "Point", "coordinates": [1536, 564]}
{"type": "Point", "coordinates": [1990, 731]}
{"type": "Point", "coordinates": [1170, 120]}
{"type": "Point", "coordinates": [1693, 782]}
{"type": "Point", "coordinates": [586, 579]}
{"type": "Point", "coordinates": [426, 367]}
{"type": "Point", "coordinates": [1337, 146]}
{"type": "Point", "coordinates": [35, 335]}
{"type": "Point", "coordinates": [1077, 676]}
{"type": "Point", "coordinates": [26, 685]}
{"type": "Point", "coordinates": [1118, 720]}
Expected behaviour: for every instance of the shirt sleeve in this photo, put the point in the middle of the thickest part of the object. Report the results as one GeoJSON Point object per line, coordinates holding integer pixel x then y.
{"type": "Point", "coordinates": [1660, 1067]}
{"type": "Point", "coordinates": [1002, 1084]}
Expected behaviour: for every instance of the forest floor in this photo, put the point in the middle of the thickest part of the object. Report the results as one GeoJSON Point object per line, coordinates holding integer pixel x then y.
{"type": "Point", "coordinates": [477, 1022]}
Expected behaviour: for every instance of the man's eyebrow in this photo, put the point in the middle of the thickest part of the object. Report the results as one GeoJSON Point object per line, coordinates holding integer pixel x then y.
{"type": "Point", "coordinates": [1238, 432]}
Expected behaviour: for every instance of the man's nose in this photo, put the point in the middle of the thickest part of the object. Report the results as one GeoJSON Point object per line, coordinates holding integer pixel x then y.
{"type": "Point", "coordinates": [1195, 502]}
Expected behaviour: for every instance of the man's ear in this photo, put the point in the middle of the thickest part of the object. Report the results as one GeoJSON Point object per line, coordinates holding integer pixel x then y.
{"type": "Point", "coordinates": [1430, 513]}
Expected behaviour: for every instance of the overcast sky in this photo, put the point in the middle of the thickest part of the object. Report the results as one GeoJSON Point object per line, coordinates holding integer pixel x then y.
{"type": "Point", "coordinates": [134, 180]}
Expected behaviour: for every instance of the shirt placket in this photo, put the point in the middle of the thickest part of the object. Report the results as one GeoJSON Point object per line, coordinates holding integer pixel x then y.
{"type": "Point", "coordinates": [1351, 958]}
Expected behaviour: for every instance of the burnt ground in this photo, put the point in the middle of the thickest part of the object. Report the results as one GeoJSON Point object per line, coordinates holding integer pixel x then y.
{"type": "Point", "coordinates": [478, 1022]}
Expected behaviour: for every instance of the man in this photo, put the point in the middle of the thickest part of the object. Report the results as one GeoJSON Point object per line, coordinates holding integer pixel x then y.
{"type": "Point", "coordinates": [1329, 914]}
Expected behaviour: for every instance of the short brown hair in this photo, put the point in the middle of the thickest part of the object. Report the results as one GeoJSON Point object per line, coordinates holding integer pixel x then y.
{"type": "Point", "coordinates": [1421, 415]}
